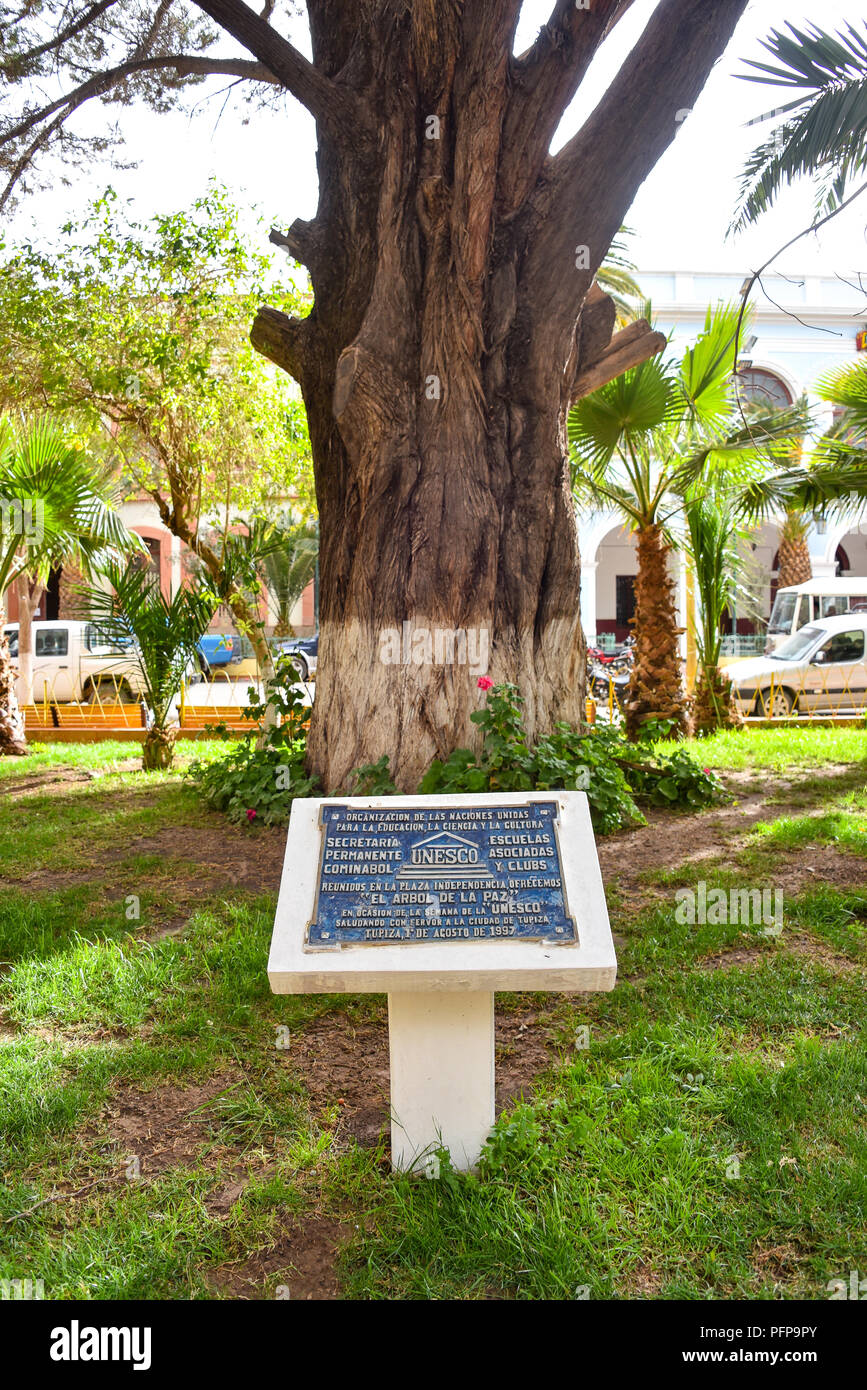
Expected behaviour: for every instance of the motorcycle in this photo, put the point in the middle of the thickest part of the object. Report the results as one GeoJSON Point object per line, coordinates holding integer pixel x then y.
{"type": "Point", "coordinates": [607, 686]}
{"type": "Point", "coordinates": [622, 658]}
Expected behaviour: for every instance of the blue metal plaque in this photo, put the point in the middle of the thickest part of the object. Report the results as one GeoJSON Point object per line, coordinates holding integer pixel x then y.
{"type": "Point", "coordinates": [436, 874]}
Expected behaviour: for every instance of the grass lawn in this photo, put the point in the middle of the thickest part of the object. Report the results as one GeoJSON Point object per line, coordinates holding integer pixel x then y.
{"type": "Point", "coordinates": [169, 1129]}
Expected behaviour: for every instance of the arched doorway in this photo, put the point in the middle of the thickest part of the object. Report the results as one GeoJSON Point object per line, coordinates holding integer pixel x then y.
{"type": "Point", "coordinates": [616, 569]}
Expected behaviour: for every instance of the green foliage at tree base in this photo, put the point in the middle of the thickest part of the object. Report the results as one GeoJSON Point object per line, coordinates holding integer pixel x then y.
{"type": "Point", "coordinates": [259, 778]}
{"type": "Point", "coordinates": [262, 773]}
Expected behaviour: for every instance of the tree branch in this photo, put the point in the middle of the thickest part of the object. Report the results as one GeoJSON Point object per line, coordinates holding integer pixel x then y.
{"type": "Point", "coordinates": [544, 81]}
{"type": "Point", "coordinates": [184, 64]}
{"type": "Point", "coordinates": [628, 348]}
{"type": "Point", "coordinates": [281, 339]}
{"type": "Point", "coordinates": [26, 159]}
{"type": "Point", "coordinates": [302, 241]}
{"type": "Point", "coordinates": [332, 105]}
{"type": "Point", "coordinates": [585, 192]}
{"type": "Point", "coordinates": [74, 27]}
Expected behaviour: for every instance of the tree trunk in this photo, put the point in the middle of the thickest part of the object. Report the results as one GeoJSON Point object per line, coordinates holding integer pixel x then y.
{"type": "Point", "coordinates": [158, 749]}
{"type": "Point", "coordinates": [795, 565]}
{"type": "Point", "coordinates": [12, 736]}
{"type": "Point", "coordinates": [713, 707]}
{"type": "Point", "coordinates": [452, 261]}
{"type": "Point", "coordinates": [655, 688]}
{"type": "Point", "coordinates": [25, 639]}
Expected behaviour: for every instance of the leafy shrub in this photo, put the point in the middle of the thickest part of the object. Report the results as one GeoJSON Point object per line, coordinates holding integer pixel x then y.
{"type": "Point", "coordinates": [589, 762]}
{"type": "Point", "coordinates": [565, 759]}
{"type": "Point", "coordinates": [505, 763]}
{"type": "Point", "coordinates": [263, 772]}
{"type": "Point", "coordinates": [373, 779]}
{"type": "Point", "coordinates": [674, 779]}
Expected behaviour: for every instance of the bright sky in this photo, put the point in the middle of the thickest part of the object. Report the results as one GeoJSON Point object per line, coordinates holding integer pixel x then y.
{"type": "Point", "coordinates": [680, 216]}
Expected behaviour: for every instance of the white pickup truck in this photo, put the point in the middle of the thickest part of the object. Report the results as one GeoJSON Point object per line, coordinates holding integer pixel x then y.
{"type": "Point", "coordinates": [72, 661]}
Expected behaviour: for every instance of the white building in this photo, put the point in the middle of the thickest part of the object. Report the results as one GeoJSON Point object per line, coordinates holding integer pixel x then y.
{"type": "Point", "coordinates": [804, 327]}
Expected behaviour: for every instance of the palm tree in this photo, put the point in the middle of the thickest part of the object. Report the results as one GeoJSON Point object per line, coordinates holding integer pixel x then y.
{"type": "Point", "coordinates": [824, 133]}
{"type": "Point", "coordinates": [288, 570]}
{"type": "Point", "coordinates": [711, 528]}
{"type": "Point", "coordinates": [55, 507]}
{"type": "Point", "coordinates": [641, 444]}
{"type": "Point", "coordinates": [833, 480]}
{"type": "Point", "coordinates": [837, 477]}
{"type": "Point", "coordinates": [164, 633]}
{"type": "Point", "coordinates": [241, 553]}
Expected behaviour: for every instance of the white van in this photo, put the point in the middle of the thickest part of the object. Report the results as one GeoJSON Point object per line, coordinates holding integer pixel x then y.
{"type": "Point", "coordinates": [73, 661]}
{"type": "Point", "coordinates": [800, 604]}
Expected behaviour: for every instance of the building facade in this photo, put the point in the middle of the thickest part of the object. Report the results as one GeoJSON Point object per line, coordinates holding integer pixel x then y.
{"type": "Point", "coordinates": [170, 559]}
{"type": "Point", "coordinates": [802, 328]}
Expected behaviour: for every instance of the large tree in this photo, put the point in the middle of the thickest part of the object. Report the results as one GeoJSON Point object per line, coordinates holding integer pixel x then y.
{"type": "Point", "coordinates": [452, 259]}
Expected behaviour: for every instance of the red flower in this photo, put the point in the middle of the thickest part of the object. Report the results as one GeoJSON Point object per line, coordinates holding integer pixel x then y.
{"type": "Point", "coordinates": [484, 682]}
{"type": "Point", "coordinates": [707, 772]}
{"type": "Point", "coordinates": [251, 815]}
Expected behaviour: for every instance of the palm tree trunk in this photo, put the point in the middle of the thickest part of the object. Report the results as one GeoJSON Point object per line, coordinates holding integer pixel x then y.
{"type": "Point", "coordinates": [158, 749]}
{"type": "Point", "coordinates": [795, 566]}
{"type": "Point", "coordinates": [713, 707]}
{"type": "Point", "coordinates": [29, 595]}
{"type": "Point", "coordinates": [656, 685]}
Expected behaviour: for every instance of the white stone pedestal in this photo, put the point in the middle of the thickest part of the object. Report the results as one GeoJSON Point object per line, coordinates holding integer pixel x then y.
{"type": "Point", "coordinates": [441, 994]}
{"type": "Point", "coordinates": [441, 1050]}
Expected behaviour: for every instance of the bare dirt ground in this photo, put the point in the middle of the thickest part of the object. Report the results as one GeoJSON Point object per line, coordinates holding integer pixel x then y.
{"type": "Point", "coordinates": [309, 1249]}
{"type": "Point", "coordinates": [720, 832]}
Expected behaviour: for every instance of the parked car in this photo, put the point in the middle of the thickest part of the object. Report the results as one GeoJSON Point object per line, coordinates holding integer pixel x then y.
{"type": "Point", "coordinates": [229, 655]}
{"type": "Point", "coordinates": [217, 649]}
{"type": "Point", "coordinates": [73, 661]}
{"type": "Point", "coordinates": [822, 667]}
{"type": "Point", "coordinates": [799, 604]}
{"type": "Point", "coordinates": [244, 665]}
{"type": "Point", "coordinates": [303, 650]}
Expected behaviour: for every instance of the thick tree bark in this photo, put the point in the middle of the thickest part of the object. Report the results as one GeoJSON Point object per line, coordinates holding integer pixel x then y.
{"type": "Point", "coordinates": [453, 261]}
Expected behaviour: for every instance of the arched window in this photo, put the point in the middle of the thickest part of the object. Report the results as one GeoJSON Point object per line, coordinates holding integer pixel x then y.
{"type": "Point", "coordinates": [763, 388]}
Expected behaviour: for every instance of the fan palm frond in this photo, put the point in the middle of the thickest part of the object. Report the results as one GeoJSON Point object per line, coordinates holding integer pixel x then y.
{"type": "Point", "coordinates": [67, 499]}
{"type": "Point", "coordinates": [631, 405]}
{"type": "Point", "coordinates": [161, 634]}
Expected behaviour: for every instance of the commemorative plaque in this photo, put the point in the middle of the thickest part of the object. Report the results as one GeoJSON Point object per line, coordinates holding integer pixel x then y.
{"type": "Point", "coordinates": [441, 902]}
{"type": "Point", "coordinates": [444, 874]}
